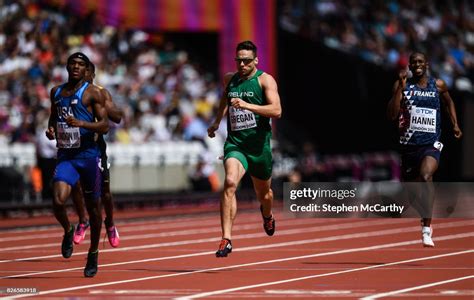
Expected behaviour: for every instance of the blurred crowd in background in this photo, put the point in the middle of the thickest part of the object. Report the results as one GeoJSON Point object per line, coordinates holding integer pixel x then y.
{"type": "Point", "coordinates": [168, 97]}
{"type": "Point", "coordinates": [385, 32]}
{"type": "Point", "coordinates": [164, 95]}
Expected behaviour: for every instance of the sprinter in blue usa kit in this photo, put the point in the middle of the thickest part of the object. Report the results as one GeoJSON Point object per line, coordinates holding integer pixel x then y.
{"type": "Point", "coordinates": [77, 115]}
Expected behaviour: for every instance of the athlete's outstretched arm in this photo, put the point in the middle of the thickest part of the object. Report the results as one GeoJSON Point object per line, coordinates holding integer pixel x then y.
{"type": "Point", "coordinates": [53, 117]}
{"type": "Point", "coordinates": [273, 107]}
{"type": "Point", "coordinates": [393, 108]}
{"type": "Point", "coordinates": [222, 110]}
{"type": "Point", "coordinates": [113, 112]}
{"type": "Point", "coordinates": [450, 107]}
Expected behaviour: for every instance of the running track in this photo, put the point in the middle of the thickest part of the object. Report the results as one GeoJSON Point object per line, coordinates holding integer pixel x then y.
{"type": "Point", "coordinates": [173, 257]}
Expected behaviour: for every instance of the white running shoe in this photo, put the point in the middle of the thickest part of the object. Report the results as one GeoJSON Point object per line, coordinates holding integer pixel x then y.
{"type": "Point", "coordinates": [426, 234]}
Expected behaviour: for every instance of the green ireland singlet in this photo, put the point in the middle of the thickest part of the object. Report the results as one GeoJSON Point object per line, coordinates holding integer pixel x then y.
{"type": "Point", "coordinates": [249, 134]}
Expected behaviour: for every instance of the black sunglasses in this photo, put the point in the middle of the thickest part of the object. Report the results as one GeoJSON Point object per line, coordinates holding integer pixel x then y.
{"type": "Point", "coordinates": [246, 61]}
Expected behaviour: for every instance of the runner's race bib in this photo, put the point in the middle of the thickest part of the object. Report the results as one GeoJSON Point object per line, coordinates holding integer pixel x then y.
{"type": "Point", "coordinates": [241, 119]}
{"type": "Point", "coordinates": [68, 137]}
{"type": "Point", "coordinates": [423, 119]}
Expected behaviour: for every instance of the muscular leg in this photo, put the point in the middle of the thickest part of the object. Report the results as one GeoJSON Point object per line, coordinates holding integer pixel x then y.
{"type": "Point", "coordinates": [428, 167]}
{"type": "Point", "coordinates": [234, 172]}
{"type": "Point", "coordinates": [95, 219]}
{"type": "Point", "coordinates": [61, 191]}
{"type": "Point", "coordinates": [264, 195]}
{"type": "Point", "coordinates": [78, 199]}
{"type": "Point", "coordinates": [108, 203]}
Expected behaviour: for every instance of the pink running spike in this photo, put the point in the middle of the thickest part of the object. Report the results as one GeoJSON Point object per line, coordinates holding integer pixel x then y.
{"type": "Point", "coordinates": [80, 232]}
{"type": "Point", "coordinates": [113, 236]}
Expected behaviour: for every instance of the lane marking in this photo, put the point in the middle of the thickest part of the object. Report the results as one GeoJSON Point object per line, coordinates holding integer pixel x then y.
{"type": "Point", "coordinates": [250, 248]}
{"type": "Point", "coordinates": [266, 246]}
{"type": "Point", "coordinates": [220, 292]}
{"type": "Point", "coordinates": [245, 226]}
{"type": "Point", "coordinates": [418, 287]}
{"type": "Point", "coordinates": [162, 222]}
{"type": "Point", "coordinates": [376, 247]}
{"type": "Point", "coordinates": [143, 292]}
{"type": "Point", "coordinates": [170, 221]}
{"type": "Point", "coordinates": [308, 292]}
{"type": "Point", "coordinates": [216, 239]}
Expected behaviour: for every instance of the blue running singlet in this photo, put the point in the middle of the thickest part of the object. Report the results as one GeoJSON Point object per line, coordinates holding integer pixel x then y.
{"type": "Point", "coordinates": [419, 120]}
{"type": "Point", "coordinates": [74, 142]}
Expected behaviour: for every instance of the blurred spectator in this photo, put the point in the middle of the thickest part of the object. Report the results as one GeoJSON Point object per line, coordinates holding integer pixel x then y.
{"type": "Point", "coordinates": [381, 32]}
{"type": "Point", "coordinates": [197, 127]}
{"type": "Point", "coordinates": [310, 165]}
{"type": "Point", "coordinates": [163, 94]}
{"type": "Point", "coordinates": [203, 176]}
{"type": "Point", "coordinates": [294, 176]}
{"type": "Point", "coordinates": [46, 158]}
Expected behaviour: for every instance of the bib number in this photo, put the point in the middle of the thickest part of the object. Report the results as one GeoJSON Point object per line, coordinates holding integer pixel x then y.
{"type": "Point", "coordinates": [423, 119]}
{"type": "Point", "coordinates": [241, 119]}
{"type": "Point", "coordinates": [68, 137]}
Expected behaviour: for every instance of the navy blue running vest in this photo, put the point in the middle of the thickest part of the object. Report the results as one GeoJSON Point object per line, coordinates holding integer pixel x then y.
{"type": "Point", "coordinates": [420, 116]}
{"type": "Point", "coordinates": [74, 142]}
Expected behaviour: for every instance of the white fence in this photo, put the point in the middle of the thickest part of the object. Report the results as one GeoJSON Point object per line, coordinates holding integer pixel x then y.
{"type": "Point", "coordinates": [18, 155]}
{"type": "Point", "coordinates": [155, 167]}
{"type": "Point", "coordinates": [149, 167]}
{"type": "Point", "coordinates": [155, 154]}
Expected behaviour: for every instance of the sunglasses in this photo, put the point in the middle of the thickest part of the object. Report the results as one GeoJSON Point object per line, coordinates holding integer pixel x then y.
{"type": "Point", "coordinates": [246, 61]}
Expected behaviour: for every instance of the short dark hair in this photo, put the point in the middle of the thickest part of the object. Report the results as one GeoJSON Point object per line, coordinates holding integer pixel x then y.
{"type": "Point", "coordinates": [416, 53]}
{"type": "Point", "coordinates": [246, 45]}
{"type": "Point", "coordinates": [79, 55]}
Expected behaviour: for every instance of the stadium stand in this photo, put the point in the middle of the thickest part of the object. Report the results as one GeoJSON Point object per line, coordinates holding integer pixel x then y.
{"type": "Point", "coordinates": [384, 32]}
{"type": "Point", "coordinates": [167, 97]}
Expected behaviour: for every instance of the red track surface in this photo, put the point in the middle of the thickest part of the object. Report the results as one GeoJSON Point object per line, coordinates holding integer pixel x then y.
{"type": "Point", "coordinates": [169, 257]}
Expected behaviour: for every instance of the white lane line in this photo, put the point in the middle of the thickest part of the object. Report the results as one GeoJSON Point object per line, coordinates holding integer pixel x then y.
{"type": "Point", "coordinates": [58, 234]}
{"type": "Point", "coordinates": [251, 248]}
{"type": "Point", "coordinates": [309, 292]}
{"type": "Point", "coordinates": [418, 287]}
{"type": "Point", "coordinates": [125, 226]}
{"type": "Point", "coordinates": [143, 292]}
{"type": "Point", "coordinates": [275, 245]}
{"type": "Point", "coordinates": [242, 236]}
{"type": "Point", "coordinates": [57, 231]}
{"type": "Point", "coordinates": [132, 237]}
{"type": "Point", "coordinates": [225, 291]}
{"type": "Point", "coordinates": [376, 247]}
{"type": "Point", "coordinates": [161, 222]}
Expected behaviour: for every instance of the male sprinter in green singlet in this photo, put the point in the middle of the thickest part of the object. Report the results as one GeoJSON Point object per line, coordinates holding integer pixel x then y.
{"type": "Point", "coordinates": [250, 99]}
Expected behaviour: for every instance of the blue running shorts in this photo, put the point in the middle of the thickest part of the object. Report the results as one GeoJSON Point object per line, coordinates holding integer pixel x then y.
{"type": "Point", "coordinates": [86, 169]}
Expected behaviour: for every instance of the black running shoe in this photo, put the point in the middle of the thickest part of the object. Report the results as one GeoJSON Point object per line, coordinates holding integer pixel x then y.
{"type": "Point", "coordinates": [66, 245]}
{"type": "Point", "coordinates": [268, 223]}
{"type": "Point", "coordinates": [91, 267]}
{"type": "Point", "coordinates": [225, 248]}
